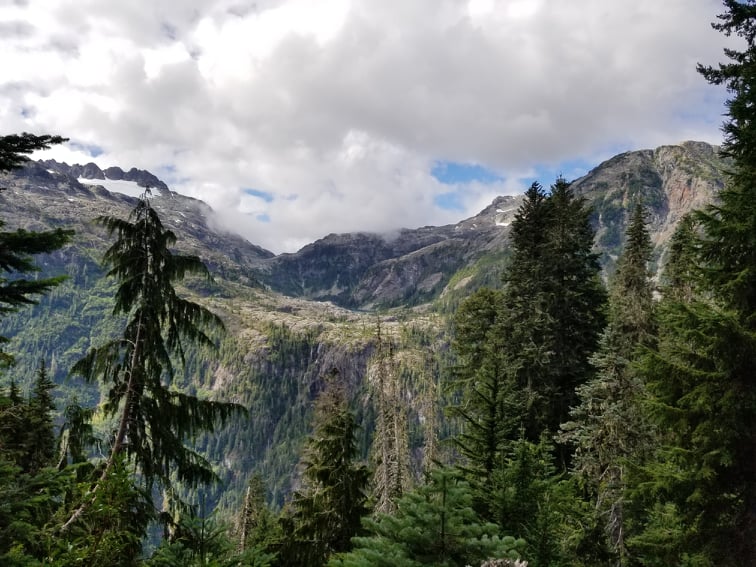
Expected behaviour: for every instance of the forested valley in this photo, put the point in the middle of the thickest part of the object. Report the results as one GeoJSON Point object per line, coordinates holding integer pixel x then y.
{"type": "Point", "coordinates": [571, 419]}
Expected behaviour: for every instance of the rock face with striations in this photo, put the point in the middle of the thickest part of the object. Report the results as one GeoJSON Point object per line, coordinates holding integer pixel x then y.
{"type": "Point", "coordinates": [670, 181]}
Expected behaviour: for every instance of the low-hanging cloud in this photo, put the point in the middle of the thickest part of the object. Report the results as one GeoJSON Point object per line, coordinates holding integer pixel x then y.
{"type": "Point", "coordinates": [340, 109]}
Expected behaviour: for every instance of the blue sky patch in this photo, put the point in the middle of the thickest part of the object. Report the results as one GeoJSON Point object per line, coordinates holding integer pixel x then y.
{"type": "Point", "coordinates": [90, 149]}
{"type": "Point", "coordinates": [449, 201]}
{"type": "Point", "coordinates": [264, 195]}
{"type": "Point", "coordinates": [263, 217]}
{"type": "Point", "coordinates": [570, 170]}
{"type": "Point", "coordinates": [452, 172]}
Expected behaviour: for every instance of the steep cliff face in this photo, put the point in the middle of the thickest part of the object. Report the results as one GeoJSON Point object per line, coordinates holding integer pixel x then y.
{"type": "Point", "coordinates": [670, 181]}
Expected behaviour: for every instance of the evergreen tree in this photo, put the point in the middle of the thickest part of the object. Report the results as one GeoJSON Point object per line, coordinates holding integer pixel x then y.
{"type": "Point", "coordinates": [702, 373]}
{"type": "Point", "coordinates": [257, 526]}
{"type": "Point", "coordinates": [609, 427]}
{"type": "Point", "coordinates": [524, 351]}
{"type": "Point", "coordinates": [326, 512]}
{"type": "Point", "coordinates": [18, 247]}
{"type": "Point", "coordinates": [433, 525]}
{"type": "Point", "coordinates": [534, 501]}
{"type": "Point", "coordinates": [488, 407]}
{"type": "Point", "coordinates": [553, 306]}
{"type": "Point", "coordinates": [40, 435]}
{"type": "Point", "coordinates": [137, 369]}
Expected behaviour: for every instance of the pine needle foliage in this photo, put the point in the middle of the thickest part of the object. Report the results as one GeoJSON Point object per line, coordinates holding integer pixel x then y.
{"type": "Point", "coordinates": [609, 428]}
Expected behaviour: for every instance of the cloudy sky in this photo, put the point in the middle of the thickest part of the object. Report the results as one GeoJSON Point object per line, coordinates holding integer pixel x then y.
{"type": "Point", "coordinates": [297, 118]}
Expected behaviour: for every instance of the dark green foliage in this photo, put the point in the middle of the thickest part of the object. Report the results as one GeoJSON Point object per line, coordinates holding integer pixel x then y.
{"type": "Point", "coordinates": [40, 432]}
{"type": "Point", "coordinates": [111, 530]}
{"type": "Point", "coordinates": [326, 512]}
{"type": "Point", "coordinates": [15, 148]}
{"type": "Point", "coordinates": [488, 407]}
{"type": "Point", "coordinates": [27, 435]}
{"type": "Point", "coordinates": [701, 375]}
{"type": "Point", "coordinates": [18, 247]}
{"type": "Point", "coordinates": [524, 351]}
{"type": "Point", "coordinates": [139, 366]}
{"type": "Point", "coordinates": [553, 300]}
{"type": "Point", "coordinates": [433, 525]}
{"type": "Point", "coordinates": [200, 541]}
{"type": "Point", "coordinates": [609, 428]}
{"type": "Point", "coordinates": [258, 526]}
{"type": "Point", "coordinates": [679, 275]}
{"type": "Point", "coordinates": [534, 501]}
{"type": "Point", "coordinates": [137, 369]}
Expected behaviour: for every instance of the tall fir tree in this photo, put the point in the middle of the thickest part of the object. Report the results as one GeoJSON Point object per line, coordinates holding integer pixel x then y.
{"type": "Point", "coordinates": [524, 350]}
{"type": "Point", "coordinates": [609, 428]}
{"type": "Point", "coordinates": [553, 305]}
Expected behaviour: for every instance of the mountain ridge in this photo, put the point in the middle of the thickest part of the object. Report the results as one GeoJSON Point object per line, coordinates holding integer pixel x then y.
{"type": "Point", "coordinates": [364, 270]}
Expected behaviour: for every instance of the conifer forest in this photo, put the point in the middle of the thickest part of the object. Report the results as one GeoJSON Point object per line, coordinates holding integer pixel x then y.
{"type": "Point", "coordinates": [560, 414]}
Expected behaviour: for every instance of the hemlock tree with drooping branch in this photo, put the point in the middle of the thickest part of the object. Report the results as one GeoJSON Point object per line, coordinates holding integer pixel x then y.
{"type": "Point", "coordinates": [153, 420]}
{"type": "Point", "coordinates": [17, 247]}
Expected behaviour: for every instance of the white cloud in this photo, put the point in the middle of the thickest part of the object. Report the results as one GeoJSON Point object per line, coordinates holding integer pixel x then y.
{"type": "Point", "coordinates": [340, 108]}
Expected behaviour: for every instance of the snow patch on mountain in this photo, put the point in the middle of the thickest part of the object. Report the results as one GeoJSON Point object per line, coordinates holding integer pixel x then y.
{"type": "Point", "coordinates": [130, 188]}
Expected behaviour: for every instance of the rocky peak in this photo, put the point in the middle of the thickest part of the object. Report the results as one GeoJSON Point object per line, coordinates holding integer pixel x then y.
{"type": "Point", "coordinates": [141, 177]}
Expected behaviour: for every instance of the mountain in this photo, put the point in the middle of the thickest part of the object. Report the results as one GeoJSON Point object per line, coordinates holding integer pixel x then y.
{"type": "Point", "coordinates": [49, 194]}
{"type": "Point", "coordinates": [362, 270]}
{"type": "Point", "coordinates": [280, 342]}
{"type": "Point", "coordinates": [414, 266]}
